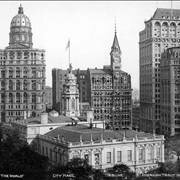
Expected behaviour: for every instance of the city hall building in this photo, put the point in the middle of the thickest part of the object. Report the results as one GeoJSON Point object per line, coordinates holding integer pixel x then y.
{"type": "Point", "coordinates": [102, 148]}
{"type": "Point", "coordinates": [22, 73]}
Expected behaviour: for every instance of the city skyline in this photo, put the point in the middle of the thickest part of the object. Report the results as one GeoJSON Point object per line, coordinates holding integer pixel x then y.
{"type": "Point", "coordinates": [90, 27]}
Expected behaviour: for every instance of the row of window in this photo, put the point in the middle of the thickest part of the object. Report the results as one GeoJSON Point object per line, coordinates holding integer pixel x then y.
{"type": "Point", "coordinates": [21, 98]}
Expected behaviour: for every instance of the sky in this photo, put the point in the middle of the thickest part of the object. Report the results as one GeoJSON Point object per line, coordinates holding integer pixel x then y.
{"type": "Point", "coordinates": [89, 25]}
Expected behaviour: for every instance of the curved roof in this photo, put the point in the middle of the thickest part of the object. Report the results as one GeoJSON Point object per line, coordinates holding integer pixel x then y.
{"type": "Point", "coordinates": [20, 19]}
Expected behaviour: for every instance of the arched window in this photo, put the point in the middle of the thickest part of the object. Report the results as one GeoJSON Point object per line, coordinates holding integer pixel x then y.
{"type": "Point", "coordinates": [10, 72]}
{"type": "Point", "coordinates": [25, 97]}
{"type": "Point", "coordinates": [17, 72]}
{"type": "Point", "coordinates": [157, 29]}
{"type": "Point", "coordinates": [93, 79]}
{"type": "Point", "coordinates": [19, 55]}
{"type": "Point", "coordinates": [25, 85]}
{"type": "Point", "coordinates": [33, 84]}
{"type": "Point", "coordinates": [172, 30]}
{"type": "Point", "coordinates": [18, 98]}
{"type": "Point", "coordinates": [18, 84]}
{"type": "Point", "coordinates": [33, 114]}
{"type": "Point", "coordinates": [26, 55]}
{"type": "Point", "coordinates": [164, 29]}
{"type": "Point", "coordinates": [10, 85]}
{"type": "Point", "coordinates": [2, 85]}
{"type": "Point", "coordinates": [42, 56]}
{"type": "Point", "coordinates": [33, 72]}
{"type": "Point", "coordinates": [3, 73]}
{"type": "Point", "coordinates": [10, 98]}
{"type": "Point", "coordinates": [103, 80]}
{"type": "Point", "coordinates": [178, 30]}
{"type": "Point", "coordinates": [31, 55]}
{"type": "Point", "coordinates": [25, 71]}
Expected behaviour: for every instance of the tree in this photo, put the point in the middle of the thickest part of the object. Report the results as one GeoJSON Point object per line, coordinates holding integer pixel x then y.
{"type": "Point", "coordinates": [77, 167]}
{"type": "Point", "coordinates": [98, 174]}
{"type": "Point", "coordinates": [173, 144]}
{"type": "Point", "coordinates": [17, 157]}
{"type": "Point", "coordinates": [122, 169]}
{"type": "Point", "coordinates": [167, 167]}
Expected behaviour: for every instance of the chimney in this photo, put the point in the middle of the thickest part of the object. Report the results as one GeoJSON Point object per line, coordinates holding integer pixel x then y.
{"type": "Point", "coordinates": [90, 118]}
{"type": "Point", "coordinates": [44, 118]}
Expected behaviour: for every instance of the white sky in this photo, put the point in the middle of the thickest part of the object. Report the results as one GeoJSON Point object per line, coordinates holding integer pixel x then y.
{"type": "Point", "coordinates": [89, 25]}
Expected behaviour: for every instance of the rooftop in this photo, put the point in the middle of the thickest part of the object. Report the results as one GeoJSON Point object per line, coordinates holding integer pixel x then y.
{"type": "Point", "coordinates": [162, 12]}
{"type": "Point", "coordinates": [37, 120]}
{"type": "Point", "coordinates": [85, 133]}
{"type": "Point", "coordinates": [103, 71]}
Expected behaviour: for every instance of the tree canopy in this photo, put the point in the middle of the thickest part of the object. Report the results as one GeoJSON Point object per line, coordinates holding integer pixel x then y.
{"type": "Point", "coordinates": [17, 157]}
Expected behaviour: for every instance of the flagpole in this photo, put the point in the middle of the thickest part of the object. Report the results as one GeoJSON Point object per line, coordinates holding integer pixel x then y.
{"type": "Point", "coordinates": [171, 10]}
{"type": "Point", "coordinates": [69, 52]}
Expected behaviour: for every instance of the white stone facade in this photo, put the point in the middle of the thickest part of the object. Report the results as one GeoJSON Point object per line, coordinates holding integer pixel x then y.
{"type": "Point", "coordinates": [139, 154]}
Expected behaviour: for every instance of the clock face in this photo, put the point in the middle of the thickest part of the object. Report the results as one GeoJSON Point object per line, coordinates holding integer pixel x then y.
{"type": "Point", "coordinates": [116, 59]}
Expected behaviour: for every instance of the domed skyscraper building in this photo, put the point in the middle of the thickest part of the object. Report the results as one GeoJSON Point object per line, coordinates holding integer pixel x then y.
{"type": "Point", "coordinates": [22, 73]}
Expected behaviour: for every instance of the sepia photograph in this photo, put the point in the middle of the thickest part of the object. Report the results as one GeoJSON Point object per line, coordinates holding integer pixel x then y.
{"type": "Point", "coordinates": [90, 90]}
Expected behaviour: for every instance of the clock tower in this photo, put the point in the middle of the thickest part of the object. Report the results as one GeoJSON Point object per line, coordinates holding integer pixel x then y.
{"type": "Point", "coordinates": [115, 54]}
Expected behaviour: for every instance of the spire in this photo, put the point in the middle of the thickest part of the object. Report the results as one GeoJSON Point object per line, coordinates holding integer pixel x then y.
{"type": "Point", "coordinates": [115, 45]}
{"type": "Point", "coordinates": [20, 11]}
{"type": "Point", "coordinates": [115, 25]}
{"type": "Point", "coordinates": [70, 68]}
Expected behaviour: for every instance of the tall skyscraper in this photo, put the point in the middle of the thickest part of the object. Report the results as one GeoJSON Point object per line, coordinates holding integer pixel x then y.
{"type": "Point", "coordinates": [107, 90]}
{"type": "Point", "coordinates": [170, 92]}
{"type": "Point", "coordinates": [161, 31]}
{"type": "Point", "coordinates": [22, 73]}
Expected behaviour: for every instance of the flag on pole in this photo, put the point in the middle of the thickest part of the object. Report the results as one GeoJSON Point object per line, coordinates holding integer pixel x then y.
{"type": "Point", "coordinates": [68, 45]}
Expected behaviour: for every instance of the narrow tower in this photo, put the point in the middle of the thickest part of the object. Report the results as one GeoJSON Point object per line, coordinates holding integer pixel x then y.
{"type": "Point", "coordinates": [115, 54]}
{"type": "Point", "coordinates": [70, 95]}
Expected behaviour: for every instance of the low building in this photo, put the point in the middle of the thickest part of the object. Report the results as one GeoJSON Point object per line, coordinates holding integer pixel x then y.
{"type": "Point", "coordinates": [31, 127]}
{"type": "Point", "coordinates": [102, 148]}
